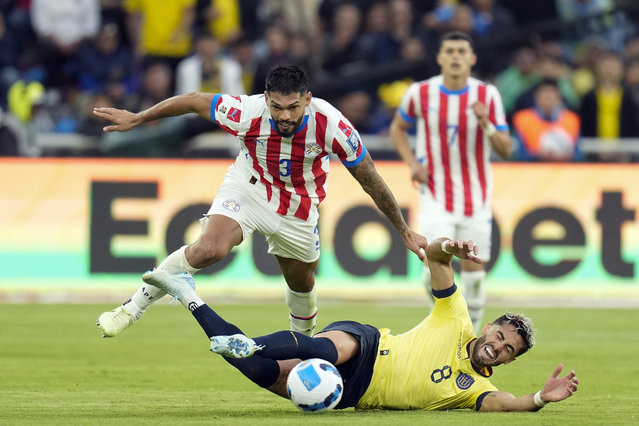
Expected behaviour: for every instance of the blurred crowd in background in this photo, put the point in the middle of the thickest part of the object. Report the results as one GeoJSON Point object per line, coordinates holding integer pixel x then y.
{"type": "Point", "coordinates": [574, 63]}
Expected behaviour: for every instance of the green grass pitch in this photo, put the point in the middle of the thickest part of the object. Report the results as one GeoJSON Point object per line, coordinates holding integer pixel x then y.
{"type": "Point", "coordinates": [55, 369]}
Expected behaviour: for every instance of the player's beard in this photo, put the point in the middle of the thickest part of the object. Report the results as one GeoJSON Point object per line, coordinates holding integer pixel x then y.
{"type": "Point", "coordinates": [477, 359]}
{"type": "Point", "coordinates": [292, 128]}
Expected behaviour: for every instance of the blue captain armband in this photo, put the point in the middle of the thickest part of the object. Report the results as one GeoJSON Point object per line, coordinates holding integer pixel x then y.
{"type": "Point", "coordinates": [358, 160]}
{"type": "Point", "coordinates": [214, 102]}
{"type": "Point", "coordinates": [405, 116]}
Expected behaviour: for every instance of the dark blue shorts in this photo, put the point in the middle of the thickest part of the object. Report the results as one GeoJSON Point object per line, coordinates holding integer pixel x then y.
{"type": "Point", "coordinates": [357, 371]}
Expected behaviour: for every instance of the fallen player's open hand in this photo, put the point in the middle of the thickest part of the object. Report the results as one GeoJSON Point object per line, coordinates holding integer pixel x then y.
{"type": "Point", "coordinates": [463, 249]}
{"type": "Point", "coordinates": [559, 388]}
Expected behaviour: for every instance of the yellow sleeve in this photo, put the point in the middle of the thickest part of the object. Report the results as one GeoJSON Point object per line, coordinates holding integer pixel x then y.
{"type": "Point", "coordinates": [132, 6]}
{"type": "Point", "coordinates": [450, 304]}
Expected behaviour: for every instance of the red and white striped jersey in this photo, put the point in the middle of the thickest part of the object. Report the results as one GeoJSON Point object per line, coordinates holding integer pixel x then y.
{"type": "Point", "coordinates": [293, 170]}
{"type": "Point", "coordinates": [451, 144]}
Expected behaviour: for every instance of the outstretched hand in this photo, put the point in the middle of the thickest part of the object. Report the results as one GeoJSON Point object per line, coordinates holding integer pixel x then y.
{"type": "Point", "coordinates": [123, 120]}
{"type": "Point", "coordinates": [463, 249]}
{"type": "Point", "coordinates": [416, 243]}
{"type": "Point", "coordinates": [559, 388]}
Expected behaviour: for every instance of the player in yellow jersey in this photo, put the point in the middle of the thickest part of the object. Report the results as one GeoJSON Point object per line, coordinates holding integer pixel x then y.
{"type": "Point", "coordinates": [439, 364]}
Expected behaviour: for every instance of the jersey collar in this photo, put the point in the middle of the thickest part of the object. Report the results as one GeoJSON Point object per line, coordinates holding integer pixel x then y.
{"type": "Point", "coordinates": [453, 92]}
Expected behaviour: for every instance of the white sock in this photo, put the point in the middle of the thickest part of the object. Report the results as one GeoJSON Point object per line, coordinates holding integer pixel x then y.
{"type": "Point", "coordinates": [133, 308]}
{"type": "Point", "coordinates": [176, 262]}
{"type": "Point", "coordinates": [190, 299]}
{"type": "Point", "coordinates": [144, 297]}
{"type": "Point", "coordinates": [430, 302]}
{"type": "Point", "coordinates": [303, 310]}
{"type": "Point", "coordinates": [475, 295]}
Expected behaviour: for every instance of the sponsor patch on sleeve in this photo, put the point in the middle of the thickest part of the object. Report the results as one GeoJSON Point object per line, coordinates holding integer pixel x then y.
{"type": "Point", "coordinates": [353, 141]}
{"type": "Point", "coordinates": [234, 114]}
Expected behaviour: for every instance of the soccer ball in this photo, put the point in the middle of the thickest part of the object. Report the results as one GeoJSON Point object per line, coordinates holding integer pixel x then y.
{"type": "Point", "coordinates": [556, 144]}
{"type": "Point", "coordinates": [315, 385]}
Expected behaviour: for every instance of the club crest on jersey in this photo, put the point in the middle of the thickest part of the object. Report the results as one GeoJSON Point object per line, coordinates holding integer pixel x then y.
{"type": "Point", "coordinates": [232, 205]}
{"type": "Point", "coordinates": [234, 115]}
{"type": "Point", "coordinates": [312, 149]}
{"type": "Point", "coordinates": [464, 381]}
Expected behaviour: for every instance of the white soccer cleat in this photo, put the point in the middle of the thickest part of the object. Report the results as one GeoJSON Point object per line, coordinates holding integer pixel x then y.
{"type": "Point", "coordinates": [175, 285]}
{"type": "Point", "coordinates": [235, 346]}
{"type": "Point", "coordinates": [113, 322]}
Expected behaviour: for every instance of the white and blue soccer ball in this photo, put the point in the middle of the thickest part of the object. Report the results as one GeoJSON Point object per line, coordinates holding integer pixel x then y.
{"type": "Point", "coordinates": [556, 144]}
{"type": "Point", "coordinates": [315, 385]}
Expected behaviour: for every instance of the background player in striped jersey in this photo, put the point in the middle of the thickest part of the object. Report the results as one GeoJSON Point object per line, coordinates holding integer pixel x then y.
{"type": "Point", "coordinates": [274, 187]}
{"type": "Point", "coordinates": [437, 365]}
{"type": "Point", "coordinates": [459, 120]}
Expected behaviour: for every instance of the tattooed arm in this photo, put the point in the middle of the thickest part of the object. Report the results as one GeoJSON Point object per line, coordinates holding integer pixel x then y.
{"type": "Point", "coordinates": [373, 184]}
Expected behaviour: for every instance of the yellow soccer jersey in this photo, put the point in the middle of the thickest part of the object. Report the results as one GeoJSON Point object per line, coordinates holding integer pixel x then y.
{"type": "Point", "coordinates": [160, 35]}
{"type": "Point", "coordinates": [428, 367]}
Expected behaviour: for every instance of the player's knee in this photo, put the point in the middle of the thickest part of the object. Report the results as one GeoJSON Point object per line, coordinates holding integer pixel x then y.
{"type": "Point", "coordinates": [301, 286]}
{"type": "Point", "coordinates": [347, 347]}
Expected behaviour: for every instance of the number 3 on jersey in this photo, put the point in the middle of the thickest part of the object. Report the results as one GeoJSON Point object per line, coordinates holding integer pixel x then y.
{"type": "Point", "coordinates": [285, 167]}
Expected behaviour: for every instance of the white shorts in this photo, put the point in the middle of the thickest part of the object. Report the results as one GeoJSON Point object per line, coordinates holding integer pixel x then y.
{"type": "Point", "coordinates": [287, 236]}
{"type": "Point", "coordinates": [435, 222]}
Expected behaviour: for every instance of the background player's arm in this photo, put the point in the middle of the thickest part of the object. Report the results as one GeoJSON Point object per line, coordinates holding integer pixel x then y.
{"type": "Point", "coordinates": [399, 135]}
{"type": "Point", "coordinates": [123, 120]}
{"type": "Point", "coordinates": [555, 389]}
{"type": "Point", "coordinates": [441, 271]}
{"type": "Point", "coordinates": [373, 184]}
{"type": "Point", "coordinates": [500, 140]}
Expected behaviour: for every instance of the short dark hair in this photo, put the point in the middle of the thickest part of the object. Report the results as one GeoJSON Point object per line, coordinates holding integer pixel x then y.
{"type": "Point", "coordinates": [523, 326]}
{"type": "Point", "coordinates": [547, 82]}
{"type": "Point", "coordinates": [287, 79]}
{"type": "Point", "coordinates": [457, 35]}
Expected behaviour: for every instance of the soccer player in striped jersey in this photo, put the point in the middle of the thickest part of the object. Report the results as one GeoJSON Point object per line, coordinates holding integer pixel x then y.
{"type": "Point", "coordinates": [274, 187]}
{"type": "Point", "coordinates": [459, 120]}
{"type": "Point", "coordinates": [437, 365]}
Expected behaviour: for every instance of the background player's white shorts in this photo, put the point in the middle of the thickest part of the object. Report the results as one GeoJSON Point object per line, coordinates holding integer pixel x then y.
{"type": "Point", "coordinates": [287, 236]}
{"type": "Point", "coordinates": [436, 222]}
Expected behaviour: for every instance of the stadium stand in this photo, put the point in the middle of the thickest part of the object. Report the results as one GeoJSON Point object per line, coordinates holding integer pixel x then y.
{"type": "Point", "coordinates": [46, 100]}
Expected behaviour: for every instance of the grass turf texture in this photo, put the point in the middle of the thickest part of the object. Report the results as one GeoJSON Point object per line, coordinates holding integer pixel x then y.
{"type": "Point", "coordinates": [57, 370]}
